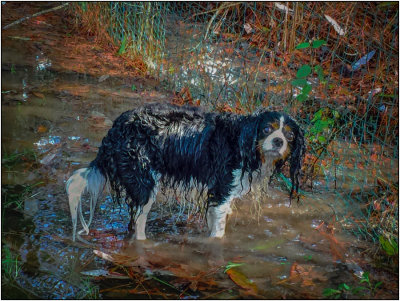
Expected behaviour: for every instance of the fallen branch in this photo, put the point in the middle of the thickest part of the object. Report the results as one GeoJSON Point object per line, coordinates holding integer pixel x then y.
{"type": "Point", "coordinates": [35, 15]}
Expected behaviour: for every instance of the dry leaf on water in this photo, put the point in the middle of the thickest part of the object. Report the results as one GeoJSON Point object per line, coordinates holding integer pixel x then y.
{"type": "Point", "coordinates": [242, 281]}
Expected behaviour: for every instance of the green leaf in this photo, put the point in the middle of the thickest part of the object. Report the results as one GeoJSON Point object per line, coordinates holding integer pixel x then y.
{"type": "Point", "coordinates": [330, 292]}
{"type": "Point", "coordinates": [303, 71]}
{"type": "Point", "coordinates": [299, 82]}
{"type": "Point", "coordinates": [317, 115]}
{"type": "Point", "coordinates": [321, 139]}
{"type": "Point", "coordinates": [306, 89]}
{"type": "Point", "coordinates": [133, 88]}
{"type": "Point", "coordinates": [356, 290]}
{"type": "Point", "coordinates": [378, 284]}
{"type": "Point", "coordinates": [308, 257]}
{"type": "Point", "coordinates": [390, 246]}
{"type": "Point", "coordinates": [83, 5]}
{"type": "Point", "coordinates": [123, 46]}
{"type": "Point", "coordinates": [335, 114]}
{"type": "Point", "coordinates": [365, 277]}
{"type": "Point", "coordinates": [318, 43]}
{"type": "Point", "coordinates": [320, 72]}
{"type": "Point", "coordinates": [344, 286]}
{"type": "Point", "coordinates": [389, 3]}
{"type": "Point", "coordinates": [266, 29]}
{"type": "Point", "coordinates": [231, 265]}
{"type": "Point", "coordinates": [303, 45]}
{"type": "Point", "coordinates": [301, 97]}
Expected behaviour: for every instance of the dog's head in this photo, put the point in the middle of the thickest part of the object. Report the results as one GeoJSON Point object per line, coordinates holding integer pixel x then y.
{"type": "Point", "coordinates": [273, 136]}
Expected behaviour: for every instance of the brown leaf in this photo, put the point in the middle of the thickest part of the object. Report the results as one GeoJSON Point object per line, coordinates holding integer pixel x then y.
{"type": "Point", "coordinates": [241, 280]}
{"type": "Point", "coordinates": [42, 129]}
{"type": "Point", "coordinates": [38, 94]}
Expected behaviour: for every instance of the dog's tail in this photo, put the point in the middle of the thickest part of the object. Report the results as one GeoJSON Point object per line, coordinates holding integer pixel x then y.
{"type": "Point", "coordinates": [91, 181]}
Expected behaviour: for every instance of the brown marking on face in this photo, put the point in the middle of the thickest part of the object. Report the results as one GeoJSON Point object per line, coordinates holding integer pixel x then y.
{"type": "Point", "coordinates": [286, 152]}
{"type": "Point", "coordinates": [287, 128]}
{"type": "Point", "coordinates": [275, 125]}
{"type": "Point", "coordinates": [259, 150]}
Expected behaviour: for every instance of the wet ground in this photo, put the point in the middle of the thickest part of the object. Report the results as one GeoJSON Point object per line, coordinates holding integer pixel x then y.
{"type": "Point", "coordinates": [53, 119]}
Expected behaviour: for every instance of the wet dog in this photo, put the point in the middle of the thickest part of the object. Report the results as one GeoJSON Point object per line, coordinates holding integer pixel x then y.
{"type": "Point", "coordinates": [184, 146]}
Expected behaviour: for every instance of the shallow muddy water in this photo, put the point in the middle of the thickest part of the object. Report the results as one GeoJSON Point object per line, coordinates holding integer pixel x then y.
{"type": "Point", "coordinates": [62, 119]}
{"type": "Point", "coordinates": [52, 123]}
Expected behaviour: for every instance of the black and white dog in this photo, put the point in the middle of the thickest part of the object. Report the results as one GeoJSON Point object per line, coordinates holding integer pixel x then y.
{"type": "Point", "coordinates": [185, 146]}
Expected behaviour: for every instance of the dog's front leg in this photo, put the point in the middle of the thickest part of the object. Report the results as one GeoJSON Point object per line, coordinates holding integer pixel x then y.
{"type": "Point", "coordinates": [216, 219]}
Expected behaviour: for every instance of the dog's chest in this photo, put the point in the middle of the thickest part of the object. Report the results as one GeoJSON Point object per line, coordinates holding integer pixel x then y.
{"type": "Point", "coordinates": [259, 181]}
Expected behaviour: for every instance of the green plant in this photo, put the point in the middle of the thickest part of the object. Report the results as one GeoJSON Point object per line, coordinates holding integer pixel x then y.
{"type": "Point", "coordinates": [322, 126]}
{"type": "Point", "coordinates": [322, 131]}
{"type": "Point", "coordinates": [10, 160]}
{"type": "Point", "coordinates": [389, 245]}
{"type": "Point", "coordinates": [122, 48]}
{"type": "Point", "coordinates": [343, 290]}
{"type": "Point", "coordinates": [13, 196]}
{"type": "Point", "coordinates": [10, 265]}
{"type": "Point", "coordinates": [88, 290]}
{"type": "Point", "coordinates": [231, 265]}
{"type": "Point", "coordinates": [371, 287]}
{"type": "Point", "coordinates": [305, 70]}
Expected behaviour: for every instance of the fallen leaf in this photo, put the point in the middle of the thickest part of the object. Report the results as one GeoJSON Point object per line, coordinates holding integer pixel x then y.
{"type": "Point", "coordinates": [248, 28]}
{"type": "Point", "coordinates": [242, 281]}
{"type": "Point", "coordinates": [335, 25]}
{"type": "Point", "coordinates": [283, 8]}
{"type": "Point", "coordinates": [42, 129]}
{"type": "Point", "coordinates": [38, 94]}
{"type": "Point", "coordinates": [305, 274]}
{"type": "Point", "coordinates": [269, 244]}
{"type": "Point", "coordinates": [105, 273]}
{"type": "Point", "coordinates": [362, 61]}
{"type": "Point", "coordinates": [48, 158]}
{"type": "Point", "coordinates": [103, 78]}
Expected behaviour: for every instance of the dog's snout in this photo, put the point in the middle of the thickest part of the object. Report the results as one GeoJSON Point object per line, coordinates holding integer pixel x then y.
{"type": "Point", "coordinates": [277, 142]}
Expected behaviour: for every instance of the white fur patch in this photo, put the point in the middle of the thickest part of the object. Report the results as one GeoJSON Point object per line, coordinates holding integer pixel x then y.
{"type": "Point", "coordinates": [216, 217]}
{"type": "Point", "coordinates": [142, 213]}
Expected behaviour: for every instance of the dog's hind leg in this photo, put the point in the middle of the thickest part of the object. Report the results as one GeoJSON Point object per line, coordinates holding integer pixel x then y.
{"type": "Point", "coordinates": [75, 187]}
{"type": "Point", "coordinates": [84, 180]}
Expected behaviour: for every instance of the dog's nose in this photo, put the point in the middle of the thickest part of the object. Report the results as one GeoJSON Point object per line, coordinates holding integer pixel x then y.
{"type": "Point", "coordinates": [277, 142]}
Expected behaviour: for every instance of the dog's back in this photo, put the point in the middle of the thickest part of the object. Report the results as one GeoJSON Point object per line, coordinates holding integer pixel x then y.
{"type": "Point", "coordinates": [181, 143]}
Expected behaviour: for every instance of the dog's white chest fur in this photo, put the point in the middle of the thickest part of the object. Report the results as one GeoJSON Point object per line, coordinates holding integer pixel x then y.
{"type": "Point", "coordinates": [259, 182]}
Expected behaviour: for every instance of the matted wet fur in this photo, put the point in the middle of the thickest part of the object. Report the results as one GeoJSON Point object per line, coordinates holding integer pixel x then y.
{"type": "Point", "coordinates": [182, 147]}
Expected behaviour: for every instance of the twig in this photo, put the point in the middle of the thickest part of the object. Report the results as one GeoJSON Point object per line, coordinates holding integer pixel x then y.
{"type": "Point", "coordinates": [35, 15]}
{"type": "Point", "coordinates": [215, 9]}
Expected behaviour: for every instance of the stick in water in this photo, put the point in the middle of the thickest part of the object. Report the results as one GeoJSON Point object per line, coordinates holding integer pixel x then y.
{"type": "Point", "coordinates": [35, 15]}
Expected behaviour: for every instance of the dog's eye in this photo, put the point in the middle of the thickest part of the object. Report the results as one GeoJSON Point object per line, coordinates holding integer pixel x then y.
{"type": "Point", "coordinates": [268, 129]}
{"type": "Point", "coordinates": [290, 136]}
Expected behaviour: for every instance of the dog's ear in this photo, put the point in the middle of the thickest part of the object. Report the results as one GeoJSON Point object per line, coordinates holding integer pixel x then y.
{"type": "Point", "coordinates": [248, 143]}
{"type": "Point", "coordinates": [296, 160]}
